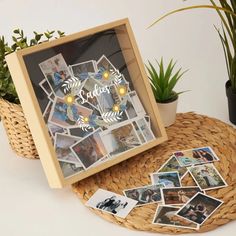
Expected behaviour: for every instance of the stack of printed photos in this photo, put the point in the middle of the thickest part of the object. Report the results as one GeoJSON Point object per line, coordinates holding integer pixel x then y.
{"type": "Point", "coordinates": [177, 205]}
{"type": "Point", "coordinates": [93, 114]}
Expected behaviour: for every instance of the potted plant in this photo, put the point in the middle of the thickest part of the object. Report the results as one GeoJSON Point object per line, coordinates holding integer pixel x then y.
{"type": "Point", "coordinates": [11, 112]}
{"type": "Point", "coordinates": [227, 13]}
{"type": "Point", "coordinates": [163, 82]}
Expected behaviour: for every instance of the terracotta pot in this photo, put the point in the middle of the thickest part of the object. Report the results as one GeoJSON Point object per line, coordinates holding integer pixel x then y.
{"type": "Point", "coordinates": [168, 112]}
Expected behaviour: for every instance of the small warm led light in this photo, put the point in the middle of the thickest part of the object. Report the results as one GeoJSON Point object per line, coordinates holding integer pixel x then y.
{"type": "Point", "coordinates": [69, 99]}
{"type": "Point", "coordinates": [122, 90]}
{"type": "Point", "coordinates": [86, 119]}
{"type": "Point", "coordinates": [116, 108]}
{"type": "Point", "coordinates": [106, 75]}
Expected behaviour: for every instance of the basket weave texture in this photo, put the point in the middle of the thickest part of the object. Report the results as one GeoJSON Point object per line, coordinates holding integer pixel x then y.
{"type": "Point", "coordinates": [189, 131]}
{"type": "Point", "coordinates": [17, 130]}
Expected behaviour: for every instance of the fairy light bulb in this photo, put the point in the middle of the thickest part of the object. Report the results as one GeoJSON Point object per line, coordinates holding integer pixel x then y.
{"type": "Point", "coordinates": [69, 99]}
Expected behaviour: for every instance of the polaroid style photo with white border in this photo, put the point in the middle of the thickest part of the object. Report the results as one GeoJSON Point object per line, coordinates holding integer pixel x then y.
{"type": "Point", "coordinates": [90, 149]}
{"type": "Point", "coordinates": [166, 216]}
{"type": "Point", "coordinates": [146, 131]}
{"type": "Point", "coordinates": [56, 71]}
{"type": "Point", "coordinates": [207, 177]}
{"type": "Point", "coordinates": [199, 208]}
{"type": "Point", "coordinates": [84, 69]}
{"type": "Point", "coordinates": [120, 139]}
{"type": "Point", "coordinates": [178, 195]}
{"type": "Point", "coordinates": [169, 179]}
{"type": "Point", "coordinates": [146, 194]}
{"type": "Point", "coordinates": [62, 145]}
{"type": "Point", "coordinates": [111, 203]}
{"type": "Point", "coordinates": [173, 165]}
{"type": "Point", "coordinates": [196, 156]}
{"type": "Point", "coordinates": [44, 84]}
{"type": "Point", "coordinates": [69, 169]}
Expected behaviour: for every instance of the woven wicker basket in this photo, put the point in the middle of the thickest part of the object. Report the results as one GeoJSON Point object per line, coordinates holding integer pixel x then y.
{"type": "Point", "coordinates": [17, 130]}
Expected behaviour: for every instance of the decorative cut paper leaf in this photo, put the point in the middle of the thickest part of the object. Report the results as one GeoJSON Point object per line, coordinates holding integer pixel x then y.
{"type": "Point", "coordinates": [83, 125]}
{"type": "Point", "coordinates": [111, 116]}
{"type": "Point", "coordinates": [70, 84]}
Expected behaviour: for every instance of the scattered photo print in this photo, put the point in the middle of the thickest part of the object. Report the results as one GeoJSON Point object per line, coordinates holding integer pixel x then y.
{"type": "Point", "coordinates": [51, 97]}
{"type": "Point", "coordinates": [140, 134]}
{"type": "Point", "coordinates": [90, 149]}
{"type": "Point", "coordinates": [56, 129]}
{"type": "Point", "coordinates": [65, 115]}
{"type": "Point", "coordinates": [196, 156]}
{"type": "Point", "coordinates": [137, 103]}
{"type": "Point", "coordinates": [63, 143]}
{"type": "Point", "coordinates": [120, 139]}
{"type": "Point", "coordinates": [79, 132]}
{"type": "Point", "coordinates": [207, 177]}
{"type": "Point", "coordinates": [173, 165]}
{"type": "Point", "coordinates": [83, 70]}
{"type": "Point", "coordinates": [145, 194]}
{"type": "Point", "coordinates": [179, 195]}
{"type": "Point", "coordinates": [166, 216]}
{"type": "Point", "coordinates": [146, 131]}
{"type": "Point", "coordinates": [108, 99]}
{"type": "Point", "coordinates": [169, 179]}
{"type": "Point", "coordinates": [199, 208]}
{"type": "Point", "coordinates": [56, 72]}
{"type": "Point", "coordinates": [129, 108]}
{"type": "Point", "coordinates": [105, 70]}
{"type": "Point", "coordinates": [91, 91]}
{"type": "Point", "coordinates": [111, 203]}
{"type": "Point", "coordinates": [69, 169]}
{"type": "Point", "coordinates": [44, 84]}
{"type": "Point", "coordinates": [148, 120]}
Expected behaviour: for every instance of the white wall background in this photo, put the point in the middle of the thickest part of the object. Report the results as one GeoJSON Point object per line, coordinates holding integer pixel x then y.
{"type": "Point", "coordinates": [188, 37]}
{"type": "Point", "coordinates": [27, 205]}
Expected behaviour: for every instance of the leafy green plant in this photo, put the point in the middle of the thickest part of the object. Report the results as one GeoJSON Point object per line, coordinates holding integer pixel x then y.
{"type": "Point", "coordinates": [227, 13]}
{"type": "Point", "coordinates": [164, 80]}
{"type": "Point", "coordinates": [20, 41]}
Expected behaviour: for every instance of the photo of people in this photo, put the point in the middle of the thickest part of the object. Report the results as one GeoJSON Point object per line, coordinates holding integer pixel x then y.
{"type": "Point", "coordinates": [207, 177]}
{"type": "Point", "coordinates": [63, 143]}
{"type": "Point", "coordinates": [56, 72]}
{"type": "Point", "coordinates": [168, 179]}
{"type": "Point", "coordinates": [120, 139]}
{"type": "Point", "coordinates": [199, 208]}
{"type": "Point", "coordinates": [166, 216]}
{"type": "Point", "coordinates": [179, 195]}
{"type": "Point", "coordinates": [173, 165]}
{"type": "Point", "coordinates": [66, 115]}
{"type": "Point", "coordinates": [111, 203]}
{"type": "Point", "coordinates": [146, 131]}
{"type": "Point", "coordinates": [140, 134]}
{"type": "Point", "coordinates": [83, 70]}
{"type": "Point", "coordinates": [196, 156]}
{"type": "Point", "coordinates": [69, 169]}
{"type": "Point", "coordinates": [90, 149]}
{"type": "Point", "coordinates": [137, 103]}
{"type": "Point", "coordinates": [145, 194]}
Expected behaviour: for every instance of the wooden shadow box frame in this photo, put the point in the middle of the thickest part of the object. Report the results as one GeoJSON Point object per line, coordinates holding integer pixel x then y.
{"type": "Point", "coordinates": [22, 67]}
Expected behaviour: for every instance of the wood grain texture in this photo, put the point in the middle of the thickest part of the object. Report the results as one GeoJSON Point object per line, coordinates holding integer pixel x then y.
{"type": "Point", "coordinates": [190, 131]}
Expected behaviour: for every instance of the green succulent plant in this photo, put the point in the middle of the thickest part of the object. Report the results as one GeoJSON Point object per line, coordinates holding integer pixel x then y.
{"type": "Point", "coordinates": [226, 9]}
{"type": "Point", "coordinates": [20, 41]}
{"type": "Point", "coordinates": [163, 81]}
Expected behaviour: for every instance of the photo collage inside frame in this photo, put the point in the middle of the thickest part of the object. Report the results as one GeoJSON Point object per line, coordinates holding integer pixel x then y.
{"type": "Point", "coordinates": [93, 113]}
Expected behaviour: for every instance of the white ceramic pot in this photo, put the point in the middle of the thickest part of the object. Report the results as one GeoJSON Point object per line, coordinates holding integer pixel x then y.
{"type": "Point", "coordinates": [168, 112]}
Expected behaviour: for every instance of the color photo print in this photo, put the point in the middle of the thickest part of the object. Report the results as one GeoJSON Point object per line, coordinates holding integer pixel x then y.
{"type": "Point", "coordinates": [92, 114]}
